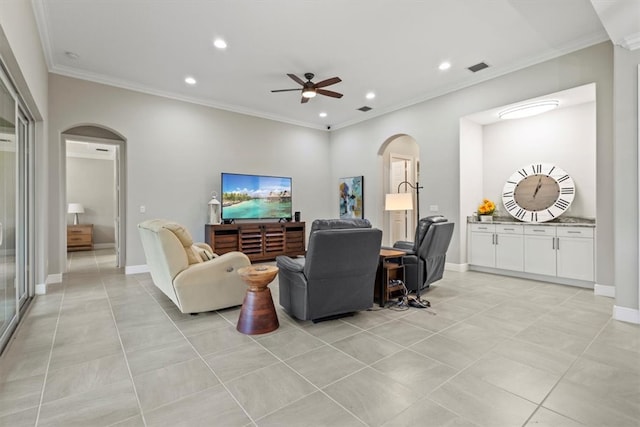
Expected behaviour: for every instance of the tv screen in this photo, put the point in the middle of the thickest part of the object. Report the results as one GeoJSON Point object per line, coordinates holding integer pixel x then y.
{"type": "Point", "coordinates": [255, 196]}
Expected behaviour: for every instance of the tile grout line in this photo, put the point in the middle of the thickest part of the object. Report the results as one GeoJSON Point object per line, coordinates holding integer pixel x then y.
{"type": "Point", "coordinates": [124, 353]}
{"type": "Point", "coordinates": [53, 340]}
{"type": "Point", "coordinates": [199, 355]}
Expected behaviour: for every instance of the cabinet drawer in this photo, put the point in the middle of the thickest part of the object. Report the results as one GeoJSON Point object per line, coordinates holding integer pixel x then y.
{"type": "Point", "coordinates": [483, 228]}
{"type": "Point", "coordinates": [575, 232]}
{"type": "Point", "coordinates": [509, 229]}
{"type": "Point", "coordinates": [539, 230]}
{"type": "Point", "coordinates": [79, 239]}
{"type": "Point", "coordinates": [71, 230]}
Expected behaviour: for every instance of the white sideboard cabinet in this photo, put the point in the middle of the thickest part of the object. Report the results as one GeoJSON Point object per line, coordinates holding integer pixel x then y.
{"type": "Point", "coordinates": [552, 252]}
{"type": "Point", "coordinates": [497, 245]}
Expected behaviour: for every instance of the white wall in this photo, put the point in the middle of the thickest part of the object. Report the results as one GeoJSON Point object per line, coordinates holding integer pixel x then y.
{"type": "Point", "coordinates": [471, 176]}
{"type": "Point", "coordinates": [91, 182]}
{"type": "Point", "coordinates": [435, 125]}
{"type": "Point", "coordinates": [565, 137]}
{"type": "Point", "coordinates": [176, 152]}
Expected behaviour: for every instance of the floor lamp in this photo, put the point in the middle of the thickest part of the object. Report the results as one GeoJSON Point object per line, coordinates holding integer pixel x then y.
{"type": "Point", "coordinates": [404, 202]}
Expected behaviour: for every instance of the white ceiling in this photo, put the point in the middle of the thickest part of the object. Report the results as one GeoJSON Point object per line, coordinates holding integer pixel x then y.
{"type": "Point", "coordinates": [392, 48]}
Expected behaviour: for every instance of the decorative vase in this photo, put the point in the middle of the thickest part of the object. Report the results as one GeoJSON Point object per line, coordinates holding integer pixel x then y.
{"type": "Point", "coordinates": [486, 218]}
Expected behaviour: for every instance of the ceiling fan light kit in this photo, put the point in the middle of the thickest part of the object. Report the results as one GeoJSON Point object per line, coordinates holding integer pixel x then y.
{"type": "Point", "coordinates": [310, 90]}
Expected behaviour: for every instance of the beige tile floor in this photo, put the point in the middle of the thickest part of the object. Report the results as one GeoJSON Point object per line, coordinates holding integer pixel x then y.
{"type": "Point", "coordinates": [105, 349]}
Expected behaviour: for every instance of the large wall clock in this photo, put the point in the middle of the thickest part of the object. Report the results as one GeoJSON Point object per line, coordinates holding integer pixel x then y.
{"type": "Point", "coordinates": [538, 192]}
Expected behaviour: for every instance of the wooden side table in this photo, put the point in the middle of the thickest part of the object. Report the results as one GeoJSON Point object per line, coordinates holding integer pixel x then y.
{"type": "Point", "coordinates": [80, 237]}
{"type": "Point", "coordinates": [390, 267]}
{"type": "Point", "coordinates": [258, 314]}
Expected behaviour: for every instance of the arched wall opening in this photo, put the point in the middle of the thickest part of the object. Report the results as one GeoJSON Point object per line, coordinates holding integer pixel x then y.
{"type": "Point", "coordinates": [101, 143]}
{"type": "Point", "coordinates": [400, 162]}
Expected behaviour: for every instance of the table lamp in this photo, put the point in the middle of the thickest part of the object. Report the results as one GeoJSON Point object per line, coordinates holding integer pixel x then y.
{"type": "Point", "coordinates": [75, 209]}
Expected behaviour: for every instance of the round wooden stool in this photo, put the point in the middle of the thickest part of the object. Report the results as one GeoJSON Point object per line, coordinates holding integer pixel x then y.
{"type": "Point", "coordinates": [258, 314]}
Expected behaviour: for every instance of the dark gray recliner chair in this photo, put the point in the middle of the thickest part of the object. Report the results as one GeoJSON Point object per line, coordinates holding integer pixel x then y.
{"type": "Point", "coordinates": [337, 276]}
{"type": "Point", "coordinates": [426, 255]}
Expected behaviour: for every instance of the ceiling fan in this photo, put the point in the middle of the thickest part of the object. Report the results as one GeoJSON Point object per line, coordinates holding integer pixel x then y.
{"type": "Point", "coordinates": [310, 89]}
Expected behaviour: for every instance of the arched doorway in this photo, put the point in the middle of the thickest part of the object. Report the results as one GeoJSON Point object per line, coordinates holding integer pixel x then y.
{"type": "Point", "coordinates": [400, 163]}
{"type": "Point", "coordinates": [100, 143]}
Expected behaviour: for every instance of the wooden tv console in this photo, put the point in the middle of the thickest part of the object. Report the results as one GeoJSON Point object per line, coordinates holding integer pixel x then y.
{"type": "Point", "coordinates": [260, 241]}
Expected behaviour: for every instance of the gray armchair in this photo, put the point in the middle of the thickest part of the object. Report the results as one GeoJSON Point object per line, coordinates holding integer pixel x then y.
{"type": "Point", "coordinates": [426, 255]}
{"type": "Point", "coordinates": [337, 276]}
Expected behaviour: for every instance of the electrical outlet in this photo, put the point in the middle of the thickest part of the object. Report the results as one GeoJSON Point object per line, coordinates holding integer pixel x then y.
{"type": "Point", "coordinates": [143, 209]}
{"type": "Point", "coordinates": [434, 208]}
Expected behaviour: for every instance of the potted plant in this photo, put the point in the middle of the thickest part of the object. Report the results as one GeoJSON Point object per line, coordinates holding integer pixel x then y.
{"type": "Point", "coordinates": [486, 210]}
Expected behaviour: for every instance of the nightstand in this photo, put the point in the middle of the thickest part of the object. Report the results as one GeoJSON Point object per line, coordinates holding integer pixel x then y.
{"type": "Point", "coordinates": [80, 237]}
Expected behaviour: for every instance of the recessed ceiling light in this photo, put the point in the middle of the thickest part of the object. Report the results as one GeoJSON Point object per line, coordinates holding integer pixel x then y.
{"type": "Point", "coordinates": [444, 66]}
{"type": "Point", "coordinates": [529, 109]}
{"type": "Point", "coordinates": [72, 55]}
{"type": "Point", "coordinates": [323, 114]}
{"type": "Point", "coordinates": [190, 80]}
{"type": "Point", "coordinates": [370, 95]}
{"type": "Point", "coordinates": [220, 44]}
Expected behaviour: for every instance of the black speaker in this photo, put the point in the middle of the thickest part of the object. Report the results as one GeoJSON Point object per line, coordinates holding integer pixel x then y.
{"type": "Point", "coordinates": [296, 216]}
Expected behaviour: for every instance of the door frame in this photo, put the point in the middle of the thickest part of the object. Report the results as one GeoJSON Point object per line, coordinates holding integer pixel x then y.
{"type": "Point", "coordinates": [120, 188]}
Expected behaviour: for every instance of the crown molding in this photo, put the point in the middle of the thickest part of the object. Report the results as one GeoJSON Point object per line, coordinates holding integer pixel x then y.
{"type": "Point", "coordinates": [631, 42]}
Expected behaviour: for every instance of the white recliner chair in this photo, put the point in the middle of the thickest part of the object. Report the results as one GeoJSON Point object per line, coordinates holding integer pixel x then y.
{"type": "Point", "coordinates": [191, 275]}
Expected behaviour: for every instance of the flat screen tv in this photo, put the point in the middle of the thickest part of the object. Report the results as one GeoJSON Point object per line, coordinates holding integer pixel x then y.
{"type": "Point", "coordinates": [255, 196]}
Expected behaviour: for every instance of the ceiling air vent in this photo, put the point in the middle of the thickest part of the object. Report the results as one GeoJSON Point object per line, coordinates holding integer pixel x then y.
{"type": "Point", "coordinates": [364, 109]}
{"type": "Point", "coordinates": [479, 66]}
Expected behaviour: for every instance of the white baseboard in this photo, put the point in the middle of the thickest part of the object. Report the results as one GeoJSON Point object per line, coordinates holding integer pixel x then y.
{"type": "Point", "coordinates": [626, 314]}
{"type": "Point", "coordinates": [456, 267]}
{"type": "Point", "coordinates": [104, 245]}
{"type": "Point", "coordinates": [136, 269]}
{"type": "Point", "coordinates": [604, 290]}
{"type": "Point", "coordinates": [41, 288]}
{"type": "Point", "coordinates": [54, 278]}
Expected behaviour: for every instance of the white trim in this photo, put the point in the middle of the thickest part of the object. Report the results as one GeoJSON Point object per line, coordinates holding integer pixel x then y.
{"type": "Point", "coordinates": [625, 314]}
{"type": "Point", "coordinates": [54, 278]}
{"type": "Point", "coordinates": [136, 269]}
{"type": "Point", "coordinates": [41, 288]}
{"type": "Point", "coordinates": [104, 245]}
{"type": "Point", "coordinates": [631, 42]}
{"type": "Point", "coordinates": [456, 267]}
{"type": "Point", "coordinates": [604, 290]}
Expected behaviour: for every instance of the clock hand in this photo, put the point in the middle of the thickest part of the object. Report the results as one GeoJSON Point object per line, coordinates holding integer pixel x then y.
{"type": "Point", "coordinates": [537, 187]}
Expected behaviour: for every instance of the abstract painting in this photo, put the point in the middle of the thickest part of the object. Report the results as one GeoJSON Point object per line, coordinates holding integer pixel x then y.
{"type": "Point", "coordinates": [351, 191]}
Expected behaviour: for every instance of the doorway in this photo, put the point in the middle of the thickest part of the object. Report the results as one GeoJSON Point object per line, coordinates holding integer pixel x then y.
{"type": "Point", "coordinates": [400, 160]}
{"type": "Point", "coordinates": [95, 186]}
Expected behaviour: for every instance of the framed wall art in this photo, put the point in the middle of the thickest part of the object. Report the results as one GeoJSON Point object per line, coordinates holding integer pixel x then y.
{"type": "Point", "coordinates": [351, 193]}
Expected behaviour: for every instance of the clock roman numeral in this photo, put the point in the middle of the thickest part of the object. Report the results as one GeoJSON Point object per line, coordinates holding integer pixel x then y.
{"type": "Point", "coordinates": [508, 194]}
{"type": "Point", "coordinates": [564, 178]}
{"type": "Point", "coordinates": [523, 173]}
{"type": "Point", "coordinates": [561, 204]}
{"type": "Point", "coordinates": [536, 168]}
{"type": "Point", "coordinates": [521, 213]}
{"type": "Point", "coordinates": [512, 182]}
{"type": "Point", "coordinates": [549, 212]}
{"type": "Point", "coordinates": [551, 170]}
{"type": "Point", "coordinates": [510, 205]}
{"type": "Point", "coordinates": [534, 216]}
{"type": "Point", "coordinates": [566, 190]}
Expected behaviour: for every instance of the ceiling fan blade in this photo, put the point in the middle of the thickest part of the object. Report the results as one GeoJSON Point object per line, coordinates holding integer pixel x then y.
{"type": "Point", "coordinates": [285, 90]}
{"type": "Point", "coordinates": [296, 79]}
{"type": "Point", "coordinates": [328, 82]}
{"type": "Point", "coordinates": [304, 100]}
{"type": "Point", "coordinates": [329, 93]}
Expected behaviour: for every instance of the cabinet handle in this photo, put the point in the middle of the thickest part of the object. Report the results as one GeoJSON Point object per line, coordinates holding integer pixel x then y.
{"type": "Point", "coordinates": [482, 228]}
{"type": "Point", "coordinates": [574, 232]}
{"type": "Point", "coordinates": [496, 238]}
{"type": "Point", "coordinates": [509, 229]}
{"type": "Point", "coordinates": [538, 231]}
{"type": "Point", "coordinates": [557, 243]}
{"type": "Point", "coordinates": [553, 243]}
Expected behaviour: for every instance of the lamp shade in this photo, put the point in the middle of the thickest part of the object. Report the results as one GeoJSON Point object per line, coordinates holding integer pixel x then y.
{"type": "Point", "coordinates": [75, 208]}
{"type": "Point", "coordinates": [398, 202]}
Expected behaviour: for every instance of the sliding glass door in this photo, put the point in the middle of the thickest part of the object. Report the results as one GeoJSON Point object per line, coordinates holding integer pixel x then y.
{"type": "Point", "coordinates": [8, 211]}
